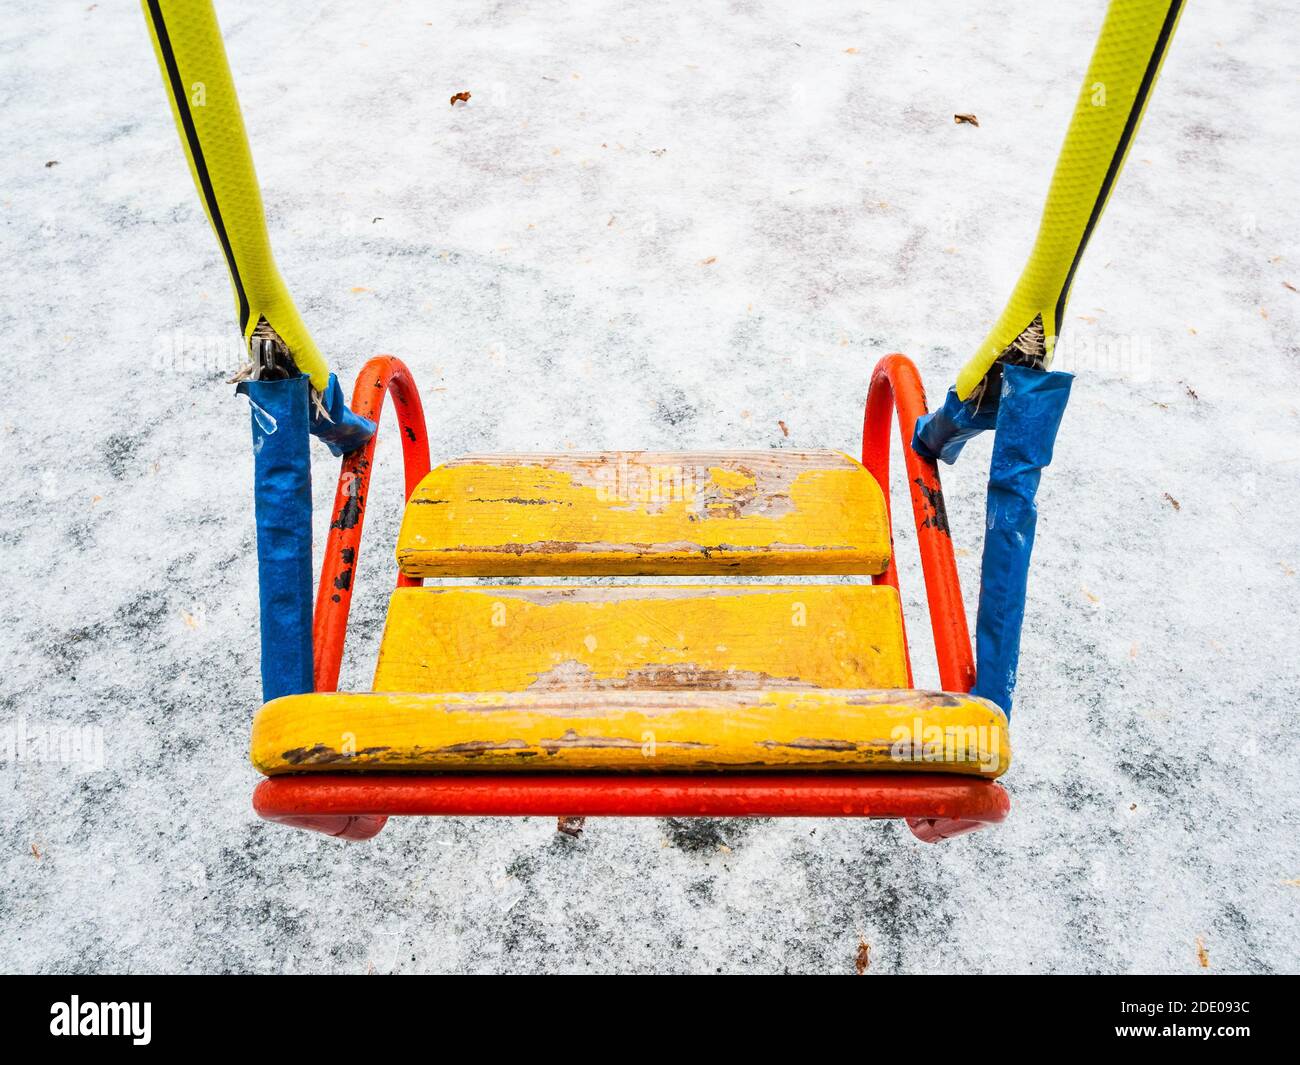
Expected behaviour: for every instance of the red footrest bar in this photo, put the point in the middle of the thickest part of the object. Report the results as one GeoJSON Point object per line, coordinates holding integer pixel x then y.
{"type": "Point", "coordinates": [355, 807]}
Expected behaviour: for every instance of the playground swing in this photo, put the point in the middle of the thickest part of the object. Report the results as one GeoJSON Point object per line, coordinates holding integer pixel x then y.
{"type": "Point", "coordinates": [719, 700]}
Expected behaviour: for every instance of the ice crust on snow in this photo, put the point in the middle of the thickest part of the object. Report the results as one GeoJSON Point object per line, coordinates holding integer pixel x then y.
{"type": "Point", "coordinates": [652, 227]}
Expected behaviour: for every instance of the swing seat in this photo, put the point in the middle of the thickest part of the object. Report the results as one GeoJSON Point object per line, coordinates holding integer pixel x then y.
{"type": "Point", "coordinates": [613, 697]}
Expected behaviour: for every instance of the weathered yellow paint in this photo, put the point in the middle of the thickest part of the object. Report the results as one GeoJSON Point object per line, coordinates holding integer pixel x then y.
{"type": "Point", "coordinates": [642, 636]}
{"type": "Point", "coordinates": [641, 513]}
{"type": "Point", "coordinates": [638, 731]}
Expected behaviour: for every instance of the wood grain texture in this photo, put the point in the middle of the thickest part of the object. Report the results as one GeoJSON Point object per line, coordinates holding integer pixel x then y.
{"type": "Point", "coordinates": [521, 638]}
{"type": "Point", "coordinates": [645, 513]}
{"type": "Point", "coordinates": [638, 731]}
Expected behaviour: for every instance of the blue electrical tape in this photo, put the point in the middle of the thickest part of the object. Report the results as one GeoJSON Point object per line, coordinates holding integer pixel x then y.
{"type": "Point", "coordinates": [342, 431]}
{"type": "Point", "coordinates": [1029, 414]}
{"type": "Point", "coordinates": [942, 434]}
{"type": "Point", "coordinates": [282, 503]}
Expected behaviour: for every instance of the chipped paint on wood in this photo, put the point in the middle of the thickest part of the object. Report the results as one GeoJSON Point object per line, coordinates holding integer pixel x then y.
{"type": "Point", "coordinates": [592, 638]}
{"type": "Point", "coordinates": [639, 731]}
{"type": "Point", "coordinates": [645, 513]}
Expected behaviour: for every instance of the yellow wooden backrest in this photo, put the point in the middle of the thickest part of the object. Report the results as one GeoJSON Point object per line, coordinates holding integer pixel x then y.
{"type": "Point", "coordinates": [645, 513]}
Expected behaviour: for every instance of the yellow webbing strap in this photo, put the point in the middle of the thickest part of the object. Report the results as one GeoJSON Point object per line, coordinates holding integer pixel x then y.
{"type": "Point", "coordinates": [1115, 90]}
{"type": "Point", "coordinates": [187, 42]}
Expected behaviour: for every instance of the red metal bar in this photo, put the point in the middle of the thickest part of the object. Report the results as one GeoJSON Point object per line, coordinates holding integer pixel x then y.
{"type": "Point", "coordinates": [896, 384]}
{"type": "Point", "coordinates": [335, 802]}
{"type": "Point", "coordinates": [381, 376]}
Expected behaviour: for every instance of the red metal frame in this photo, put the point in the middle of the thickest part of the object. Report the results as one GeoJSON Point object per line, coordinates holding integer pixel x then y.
{"type": "Point", "coordinates": [896, 384]}
{"type": "Point", "coordinates": [355, 806]}
{"type": "Point", "coordinates": [381, 376]}
{"type": "Point", "coordinates": [935, 806]}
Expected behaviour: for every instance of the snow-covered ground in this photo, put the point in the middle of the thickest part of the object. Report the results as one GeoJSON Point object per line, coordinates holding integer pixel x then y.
{"type": "Point", "coordinates": [658, 226]}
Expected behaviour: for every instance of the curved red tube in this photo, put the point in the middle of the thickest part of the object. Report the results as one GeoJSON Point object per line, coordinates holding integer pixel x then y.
{"type": "Point", "coordinates": [895, 383]}
{"type": "Point", "coordinates": [381, 376]}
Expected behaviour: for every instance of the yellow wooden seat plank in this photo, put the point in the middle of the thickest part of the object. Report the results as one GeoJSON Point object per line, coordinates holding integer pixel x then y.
{"type": "Point", "coordinates": [637, 731]}
{"type": "Point", "coordinates": [522, 638]}
{"type": "Point", "coordinates": [642, 513]}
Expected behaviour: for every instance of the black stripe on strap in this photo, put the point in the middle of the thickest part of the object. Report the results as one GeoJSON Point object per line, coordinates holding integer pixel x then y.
{"type": "Point", "coordinates": [196, 153]}
{"type": "Point", "coordinates": [1117, 159]}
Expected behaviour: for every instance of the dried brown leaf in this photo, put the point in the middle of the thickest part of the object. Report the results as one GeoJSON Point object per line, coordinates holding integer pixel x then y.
{"type": "Point", "coordinates": [863, 958]}
{"type": "Point", "coordinates": [460, 98]}
{"type": "Point", "coordinates": [570, 825]}
{"type": "Point", "coordinates": [968, 119]}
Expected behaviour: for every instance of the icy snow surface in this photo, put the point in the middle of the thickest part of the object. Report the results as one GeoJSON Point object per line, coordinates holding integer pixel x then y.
{"type": "Point", "coordinates": [653, 226]}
